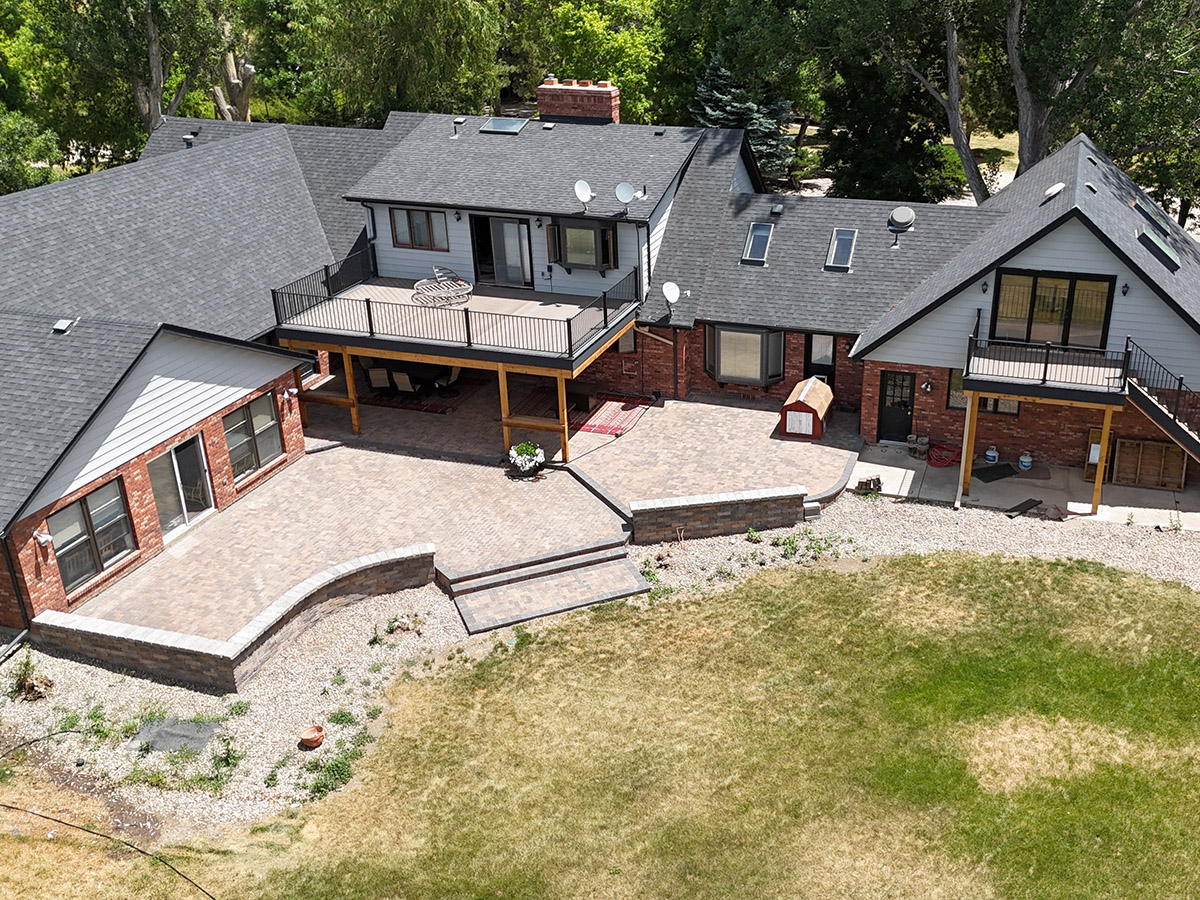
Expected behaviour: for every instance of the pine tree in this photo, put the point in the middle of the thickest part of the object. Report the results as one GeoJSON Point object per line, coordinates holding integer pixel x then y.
{"type": "Point", "coordinates": [722, 103]}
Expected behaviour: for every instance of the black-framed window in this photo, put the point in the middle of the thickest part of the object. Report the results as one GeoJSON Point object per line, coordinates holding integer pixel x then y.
{"type": "Point", "coordinates": [820, 352]}
{"type": "Point", "coordinates": [579, 243]}
{"type": "Point", "coordinates": [739, 355]}
{"type": "Point", "coordinates": [419, 229]}
{"type": "Point", "coordinates": [253, 436]}
{"type": "Point", "coordinates": [1062, 308]}
{"type": "Point", "coordinates": [957, 399]}
{"type": "Point", "coordinates": [91, 534]}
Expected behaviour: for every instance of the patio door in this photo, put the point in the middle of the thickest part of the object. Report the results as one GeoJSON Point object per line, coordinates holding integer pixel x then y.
{"type": "Point", "coordinates": [502, 252]}
{"type": "Point", "coordinates": [896, 391]}
{"type": "Point", "coordinates": [180, 485]}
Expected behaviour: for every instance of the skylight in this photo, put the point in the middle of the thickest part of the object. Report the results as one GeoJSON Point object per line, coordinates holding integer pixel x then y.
{"type": "Point", "coordinates": [1151, 212]}
{"type": "Point", "coordinates": [841, 248]}
{"type": "Point", "coordinates": [500, 125]}
{"type": "Point", "coordinates": [758, 239]}
{"type": "Point", "coordinates": [1160, 248]}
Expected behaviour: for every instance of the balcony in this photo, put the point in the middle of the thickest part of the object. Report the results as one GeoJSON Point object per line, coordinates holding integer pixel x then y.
{"type": "Point", "coordinates": [1050, 371]}
{"type": "Point", "coordinates": [513, 325]}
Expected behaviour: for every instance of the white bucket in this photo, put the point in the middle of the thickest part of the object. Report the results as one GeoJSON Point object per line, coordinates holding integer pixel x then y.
{"type": "Point", "coordinates": [1025, 461]}
{"type": "Point", "coordinates": [992, 455]}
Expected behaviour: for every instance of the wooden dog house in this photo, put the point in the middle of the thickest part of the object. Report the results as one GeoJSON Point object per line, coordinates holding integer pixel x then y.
{"type": "Point", "coordinates": [806, 410]}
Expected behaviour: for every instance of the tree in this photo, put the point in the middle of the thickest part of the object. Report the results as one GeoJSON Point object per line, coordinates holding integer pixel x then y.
{"type": "Point", "coordinates": [231, 96]}
{"type": "Point", "coordinates": [27, 153]}
{"type": "Point", "coordinates": [722, 103]}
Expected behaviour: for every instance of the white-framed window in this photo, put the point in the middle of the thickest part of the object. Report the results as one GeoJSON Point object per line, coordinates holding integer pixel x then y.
{"type": "Point", "coordinates": [253, 436]}
{"type": "Point", "coordinates": [91, 534]}
{"type": "Point", "coordinates": [419, 229]}
{"type": "Point", "coordinates": [758, 242]}
{"type": "Point", "coordinates": [841, 248]}
{"type": "Point", "coordinates": [739, 355]}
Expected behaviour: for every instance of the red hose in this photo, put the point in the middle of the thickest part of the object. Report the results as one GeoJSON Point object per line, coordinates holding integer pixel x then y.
{"type": "Point", "coordinates": [942, 455]}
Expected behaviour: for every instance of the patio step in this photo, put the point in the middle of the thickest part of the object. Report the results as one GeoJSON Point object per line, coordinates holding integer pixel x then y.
{"type": "Point", "coordinates": [552, 566]}
{"type": "Point", "coordinates": [546, 594]}
{"type": "Point", "coordinates": [449, 578]}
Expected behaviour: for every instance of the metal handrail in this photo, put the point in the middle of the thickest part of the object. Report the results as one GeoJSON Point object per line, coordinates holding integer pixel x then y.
{"type": "Point", "coordinates": [1164, 386]}
{"type": "Point", "coordinates": [1048, 362]}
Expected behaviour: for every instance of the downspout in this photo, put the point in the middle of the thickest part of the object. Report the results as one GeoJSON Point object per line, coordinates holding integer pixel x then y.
{"type": "Point", "coordinates": [675, 358]}
{"type": "Point", "coordinates": [12, 574]}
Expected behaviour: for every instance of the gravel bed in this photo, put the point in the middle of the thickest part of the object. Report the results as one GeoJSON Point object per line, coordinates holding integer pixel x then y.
{"type": "Point", "coordinates": [331, 667]}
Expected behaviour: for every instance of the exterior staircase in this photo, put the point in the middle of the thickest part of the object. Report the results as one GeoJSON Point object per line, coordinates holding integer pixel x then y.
{"type": "Point", "coordinates": [527, 589]}
{"type": "Point", "coordinates": [1165, 399]}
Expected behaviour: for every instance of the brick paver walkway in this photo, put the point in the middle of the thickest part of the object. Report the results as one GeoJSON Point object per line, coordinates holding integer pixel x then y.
{"type": "Point", "coordinates": [339, 504]}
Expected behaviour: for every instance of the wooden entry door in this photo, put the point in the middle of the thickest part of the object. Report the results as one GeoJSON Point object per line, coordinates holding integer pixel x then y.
{"type": "Point", "coordinates": [896, 390]}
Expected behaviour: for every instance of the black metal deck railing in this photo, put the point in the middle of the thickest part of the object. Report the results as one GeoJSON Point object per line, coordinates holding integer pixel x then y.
{"type": "Point", "coordinates": [313, 302]}
{"type": "Point", "coordinates": [1047, 364]}
{"type": "Point", "coordinates": [1164, 386]}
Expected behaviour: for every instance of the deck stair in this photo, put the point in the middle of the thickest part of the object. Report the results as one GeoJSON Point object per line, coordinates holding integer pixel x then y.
{"type": "Point", "coordinates": [1165, 399]}
{"type": "Point", "coordinates": [513, 592]}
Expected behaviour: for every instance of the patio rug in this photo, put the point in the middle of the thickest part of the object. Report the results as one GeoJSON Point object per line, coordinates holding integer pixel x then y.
{"type": "Point", "coordinates": [614, 414]}
{"type": "Point", "coordinates": [432, 403]}
{"type": "Point", "coordinates": [1021, 508]}
{"type": "Point", "coordinates": [988, 474]}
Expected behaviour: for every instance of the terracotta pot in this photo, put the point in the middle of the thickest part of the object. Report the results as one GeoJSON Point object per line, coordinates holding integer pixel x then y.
{"type": "Point", "coordinates": [312, 736]}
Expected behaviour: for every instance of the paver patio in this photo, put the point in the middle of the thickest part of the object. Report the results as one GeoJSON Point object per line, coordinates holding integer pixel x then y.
{"type": "Point", "coordinates": [338, 504]}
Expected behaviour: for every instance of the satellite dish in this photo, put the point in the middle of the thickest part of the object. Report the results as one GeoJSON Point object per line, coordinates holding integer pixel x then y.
{"type": "Point", "coordinates": [671, 291]}
{"type": "Point", "coordinates": [584, 192]}
{"type": "Point", "coordinates": [625, 192]}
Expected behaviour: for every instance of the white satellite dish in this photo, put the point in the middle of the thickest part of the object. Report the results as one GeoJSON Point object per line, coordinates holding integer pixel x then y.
{"type": "Point", "coordinates": [671, 291]}
{"type": "Point", "coordinates": [625, 192]}
{"type": "Point", "coordinates": [584, 192]}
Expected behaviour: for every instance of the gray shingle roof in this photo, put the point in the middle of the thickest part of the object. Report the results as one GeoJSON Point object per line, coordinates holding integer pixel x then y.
{"type": "Point", "coordinates": [533, 171]}
{"type": "Point", "coordinates": [332, 160]}
{"type": "Point", "coordinates": [197, 238]}
{"type": "Point", "coordinates": [53, 385]}
{"type": "Point", "coordinates": [1108, 211]}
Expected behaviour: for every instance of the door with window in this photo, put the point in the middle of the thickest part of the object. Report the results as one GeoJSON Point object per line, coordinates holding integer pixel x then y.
{"type": "Point", "coordinates": [896, 391]}
{"type": "Point", "coordinates": [180, 484]}
{"type": "Point", "coordinates": [502, 251]}
{"type": "Point", "coordinates": [1053, 307]}
{"type": "Point", "coordinates": [818, 357]}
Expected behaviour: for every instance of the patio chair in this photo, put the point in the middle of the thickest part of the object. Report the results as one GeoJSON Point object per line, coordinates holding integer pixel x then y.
{"type": "Point", "coordinates": [377, 378]}
{"type": "Point", "coordinates": [403, 384]}
{"type": "Point", "coordinates": [443, 384]}
{"type": "Point", "coordinates": [445, 288]}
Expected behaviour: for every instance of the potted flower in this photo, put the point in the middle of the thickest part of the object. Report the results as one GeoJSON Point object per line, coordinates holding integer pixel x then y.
{"type": "Point", "coordinates": [526, 458]}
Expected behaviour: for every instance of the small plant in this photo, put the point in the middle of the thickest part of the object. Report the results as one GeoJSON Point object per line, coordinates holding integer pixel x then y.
{"type": "Point", "coordinates": [339, 677]}
{"type": "Point", "coordinates": [1129, 519]}
{"type": "Point", "coordinates": [376, 638]}
{"type": "Point", "coordinates": [375, 667]}
{"type": "Point", "coordinates": [526, 457]}
{"type": "Point", "coordinates": [412, 623]}
{"type": "Point", "coordinates": [752, 536]}
{"type": "Point", "coordinates": [68, 722]}
{"type": "Point", "coordinates": [26, 684]}
{"type": "Point", "coordinates": [374, 712]}
{"type": "Point", "coordinates": [1174, 520]}
{"type": "Point", "coordinates": [721, 573]}
{"type": "Point", "coordinates": [791, 545]}
{"type": "Point", "coordinates": [272, 777]}
{"type": "Point", "coordinates": [777, 540]}
{"type": "Point", "coordinates": [239, 708]}
{"type": "Point", "coordinates": [659, 589]}
{"type": "Point", "coordinates": [342, 717]}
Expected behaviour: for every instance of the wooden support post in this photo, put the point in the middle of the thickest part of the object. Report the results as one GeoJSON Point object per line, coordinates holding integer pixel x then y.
{"type": "Point", "coordinates": [968, 456]}
{"type": "Point", "coordinates": [1101, 463]}
{"type": "Point", "coordinates": [351, 392]}
{"type": "Point", "coordinates": [299, 379]}
{"type": "Point", "coordinates": [562, 416]}
{"type": "Point", "coordinates": [504, 407]}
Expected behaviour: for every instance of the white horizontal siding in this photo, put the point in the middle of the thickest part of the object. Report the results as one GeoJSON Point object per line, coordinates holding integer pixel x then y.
{"type": "Point", "coordinates": [401, 262]}
{"type": "Point", "coordinates": [939, 339]}
{"type": "Point", "coordinates": [179, 382]}
{"type": "Point", "coordinates": [741, 183]}
{"type": "Point", "coordinates": [586, 282]}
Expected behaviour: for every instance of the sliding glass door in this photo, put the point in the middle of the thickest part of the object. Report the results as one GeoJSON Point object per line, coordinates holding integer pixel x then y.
{"type": "Point", "coordinates": [180, 484]}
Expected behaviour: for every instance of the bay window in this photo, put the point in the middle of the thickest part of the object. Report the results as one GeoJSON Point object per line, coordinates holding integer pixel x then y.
{"type": "Point", "coordinates": [739, 355]}
{"type": "Point", "coordinates": [91, 534]}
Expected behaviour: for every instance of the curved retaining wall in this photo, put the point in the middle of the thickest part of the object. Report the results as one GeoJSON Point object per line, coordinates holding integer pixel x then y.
{"type": "Point", "coordinates": [223, 666]}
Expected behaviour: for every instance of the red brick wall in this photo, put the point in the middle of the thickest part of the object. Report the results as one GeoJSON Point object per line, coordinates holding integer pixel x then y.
{"type": "Point", "coordinates": [38, 569]}
{"type": "Point", "coordinates": [648, 369]}
{"type": "Point", "coordinates": [1055, 435]}
{"type": "Point", "coordinates": [579, 99]}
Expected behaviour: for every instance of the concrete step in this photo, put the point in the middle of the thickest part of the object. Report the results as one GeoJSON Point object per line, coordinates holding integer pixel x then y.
{"type": "Point", "coordinates": [449, 578]}
{"type": "Point", "coordinates": [537, 570]}
{"type": "Point", "coordinates": [548, 594]}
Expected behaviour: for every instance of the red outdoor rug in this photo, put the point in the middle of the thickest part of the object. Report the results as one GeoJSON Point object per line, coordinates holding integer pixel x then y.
{"type": "Point", "coordinates": [614, 414]}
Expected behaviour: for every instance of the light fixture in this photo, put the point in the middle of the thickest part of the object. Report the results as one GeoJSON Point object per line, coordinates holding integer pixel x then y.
{"type": "Point", "coordinates": [1125, 289]}
{"type": "Point", "coordinates": [291, 392]}
{"type": "Point", "coordinates": [985, 287]}
{"type": "Point", "coordinates": [927, 387]}
{"type": "Point", "coordinates": [538, 221]}
{"type": "Point", "coordinates": [43, 538]}
{"type": "Point", "coordinates": [457, 216]}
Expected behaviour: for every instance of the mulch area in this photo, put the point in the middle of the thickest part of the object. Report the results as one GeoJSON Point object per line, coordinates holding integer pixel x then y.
{"type": "Point", "coordinates": [614, 414]}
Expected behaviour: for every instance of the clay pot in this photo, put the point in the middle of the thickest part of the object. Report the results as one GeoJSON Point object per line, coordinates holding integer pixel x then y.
{"type": "Point", "coordinates": [312, 736]}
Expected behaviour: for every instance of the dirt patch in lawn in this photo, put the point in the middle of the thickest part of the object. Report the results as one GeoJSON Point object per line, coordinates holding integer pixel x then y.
{"type": "Point", "coordinates": [1022, 751]}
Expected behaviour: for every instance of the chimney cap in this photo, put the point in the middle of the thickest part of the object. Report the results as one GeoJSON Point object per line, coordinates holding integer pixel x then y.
{"type": "Point", "coordinates": [583, 82]}
{"type": "Point", "coordinates": [568, 82]}
{"type": "Point", "coordinates": [603, 84]}
{"type": "Point", "coordinates": [550, 79]}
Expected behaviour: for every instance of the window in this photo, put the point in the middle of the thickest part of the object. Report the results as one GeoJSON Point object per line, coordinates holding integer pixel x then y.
{"type": "Point", "coordinates": [1054, 307]}
{"type": "Point", "coordinates": [819, 361]}
{"type": "Point", "coordinates": [758, 239]}
{"type": "Point", "coordinates": [419, 229]}
{"type": "Point", "coordinates": [841, 248]}
{"type": "Point", "coordinates": [743, 355]}
{"type": "Point", "coordinates": [586, 245]}
{"type": "Point", "coordinates": [252, 433]}
{"type": "Point", "coordinates": [91, 534]}
{"type": "Point", "coordinates": [956, 399]}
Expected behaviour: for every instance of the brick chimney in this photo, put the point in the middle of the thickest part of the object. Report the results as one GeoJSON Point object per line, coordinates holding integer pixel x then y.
{"type": "Point", "coordinates": [581, 102]}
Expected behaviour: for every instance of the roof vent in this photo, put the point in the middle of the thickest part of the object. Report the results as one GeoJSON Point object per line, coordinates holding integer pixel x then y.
{"type": "Point", "coordinates": [777, 209]}
{"type": "Point", "coordinates": [1055, 189]}
{"type": "Point", "coordinates": [659, 131]}
{"type": "Point", "coordinates": [458, 120]}
{"type": "Point", "coordinates": [547, 126]}
{"type": "Point", "coordinates": [63, 326]}
{"type": "Point", "coordinates": [189, 139]}
{"type": "Point", "coordinates": [901, 219]}
{"type": "Point", "coordinates": [1091, 187]}
{"type": "Point", "coordinates": [1092, 160]}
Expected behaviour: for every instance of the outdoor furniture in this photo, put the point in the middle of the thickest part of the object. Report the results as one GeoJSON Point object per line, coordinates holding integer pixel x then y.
{"type": "Point", "coordinates": [377, 378]}
{"type": "Point", "coordinates": [443, 384]}
{"type": "Point", "coordinates": [403, 384]}
{"type": "Point", "coordinates": [445, 288]}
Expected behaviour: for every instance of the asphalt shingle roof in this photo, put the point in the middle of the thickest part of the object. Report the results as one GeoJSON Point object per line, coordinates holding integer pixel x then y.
{"type": "Point", "coordinates": [197, 239]}
{"type": "Point", "coordinates": [1108, 210]}
{"type": "Point", "coordinates": [53, 385]}
{"type": "Point", "coordinates": [533, 171]}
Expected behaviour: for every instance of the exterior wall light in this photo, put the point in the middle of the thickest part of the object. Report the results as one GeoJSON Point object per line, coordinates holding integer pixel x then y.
{"type": "Point", "coordinates": [538, 221]}
{"type": "Point", "coordinates": [1125, 289]}
{"type": "Point", "coordinates": [985, 287]}
{"type": "Point", "coordinates": [43, 538]}
{"type": "Point", "coordinates": [457, 216]}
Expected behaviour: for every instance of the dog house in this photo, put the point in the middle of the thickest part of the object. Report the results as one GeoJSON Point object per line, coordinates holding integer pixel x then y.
{"type": "Point", "coordinates": [806, 410]}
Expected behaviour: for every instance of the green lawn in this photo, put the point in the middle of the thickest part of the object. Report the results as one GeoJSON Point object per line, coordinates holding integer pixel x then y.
{"type": "Point", "coordinates": [948, 727]}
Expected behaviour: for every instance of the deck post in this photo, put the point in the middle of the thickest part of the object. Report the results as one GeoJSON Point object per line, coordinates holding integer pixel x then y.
{"type": "Point", "coordinates": [351, 390]}
{"type": "Point", "coordinates": [562, 416]}
{"type": "Point", "coordinates": [1102, 461]}
{"type": "Point", "coordinates": [504, 406]}
{"type": "Point", "coordinates": [968, 451]}
{"type": "Point", "coordinates": [299, 379]}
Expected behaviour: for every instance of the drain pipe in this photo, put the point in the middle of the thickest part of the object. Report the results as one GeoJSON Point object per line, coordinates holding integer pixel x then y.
{"type": "Point", "coordinates": [12, 574]}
